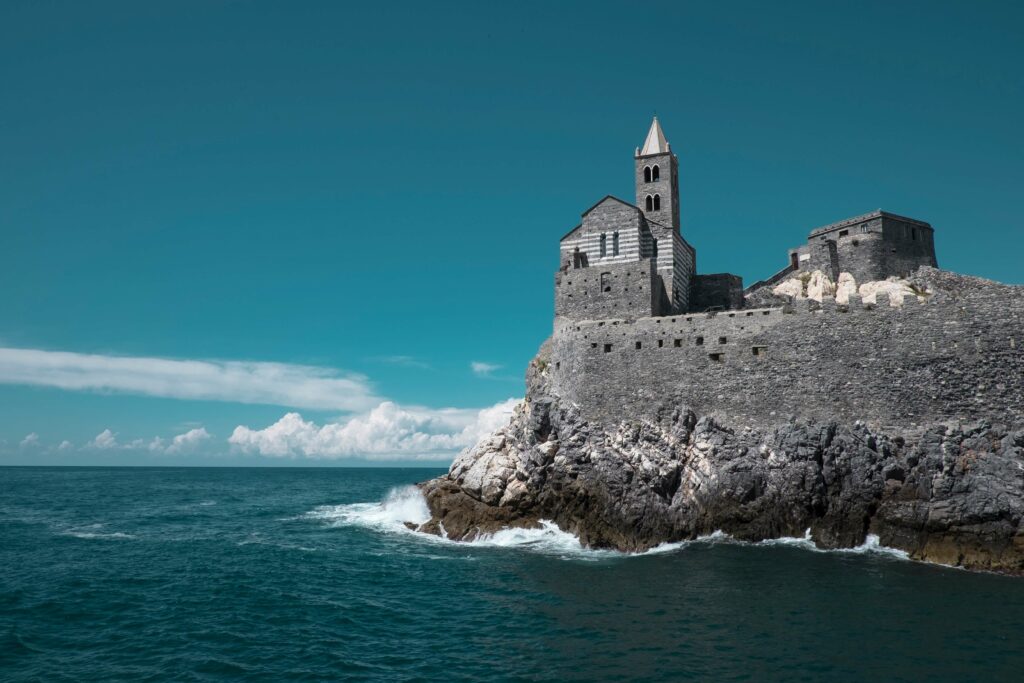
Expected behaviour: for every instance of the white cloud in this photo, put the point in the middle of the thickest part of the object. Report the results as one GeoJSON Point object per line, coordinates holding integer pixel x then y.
{"type": "Point", "coordinates": [481, 369]}
{"type": "Point", "coordinates": [30, 441]}
{"type": "Point", "coordinates": [298, 386]}
{"type": "Point", "coordinates": [182, 443]}
{"type": "Point", "coordinates": [188, 441]}
{"type": "Point", "coordinates": [104, 441]}
{"type": "Point", "coordinates": [65, 445]}
{"type": "Point", "coordinates": [387, 432]}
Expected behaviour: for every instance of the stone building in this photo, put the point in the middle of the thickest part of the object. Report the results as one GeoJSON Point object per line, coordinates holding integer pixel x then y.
{"type": "Point", "coordinates": [874, 246]}
{"type": "Point", "coordinates": [631, 261]}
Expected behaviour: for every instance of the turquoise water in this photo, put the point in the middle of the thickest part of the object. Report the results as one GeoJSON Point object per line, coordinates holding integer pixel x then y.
{"type": "Point", "coordinates": [303, 574]}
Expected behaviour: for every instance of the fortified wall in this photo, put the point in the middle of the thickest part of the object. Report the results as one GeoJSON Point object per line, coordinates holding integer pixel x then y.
{"type": "Point", "coordinates": [955, 353]}
{"type": "Point", "coordinates": [637, 327]}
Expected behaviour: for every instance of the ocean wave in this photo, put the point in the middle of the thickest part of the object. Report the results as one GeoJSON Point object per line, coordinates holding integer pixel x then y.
{"type": "Point", "coordinates": [112, 536]}
{"type": "Point", "coordinates": [871, 545]}
{"type": "Point", "coordinates": [405, 507]}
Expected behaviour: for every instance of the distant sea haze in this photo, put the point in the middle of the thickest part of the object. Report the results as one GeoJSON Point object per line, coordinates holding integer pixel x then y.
{"type": "Point", "coordinates": [118, 574]}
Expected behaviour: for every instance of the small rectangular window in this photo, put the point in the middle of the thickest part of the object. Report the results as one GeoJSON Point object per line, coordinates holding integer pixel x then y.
{"type": "Point", "coordinates": [844, 233]}
{"type": "Point", "coordinates": [677, 343]}
{"type": "Point", "coordinates": [593, 345]}
{"type": "Point", "coordinates": [700, 341]}
{"type": "Point", "coordinates": [661, 342]}
{"type": "Point", "coordinates": [638, 346]}
{"type": "Point", "coordinates": [759, 350]}
{"type": "Point", "coordinates": [717, 357]}
{"type": "Point", "coordinates": [723, 340]}
{"type": "Point", "coordinates": [607, 348]}
{"type": "Point", "coordinates": [558, 365]}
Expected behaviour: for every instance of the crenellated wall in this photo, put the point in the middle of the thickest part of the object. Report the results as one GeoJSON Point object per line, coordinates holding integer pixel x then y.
{"type": "Point", "coordinates": [959, 354]}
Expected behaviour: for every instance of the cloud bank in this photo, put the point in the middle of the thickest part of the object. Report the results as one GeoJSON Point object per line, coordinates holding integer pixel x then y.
{"type": "Point", "coordinates": [188, 442]}
{"type": "Point", "coordinates": [297, 386]}
{"type": "Point", "coordinates": [387, 432]}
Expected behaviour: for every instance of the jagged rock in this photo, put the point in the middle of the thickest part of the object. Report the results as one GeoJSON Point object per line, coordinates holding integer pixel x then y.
{"type": "Point", "coordinates": [944, 491]}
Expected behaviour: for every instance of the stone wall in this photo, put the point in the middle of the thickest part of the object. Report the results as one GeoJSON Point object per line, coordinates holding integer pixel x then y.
{"type": "Point", "coordinates": [608, 217]}
{"type": "Point", "coordinates": [957, 355]}
{"type": "Point", "coordinates": [721, 290]}
{"type": "Point", "coordinates": [614, 290]}
{"type": "Point", "coordinates": [676, 264]}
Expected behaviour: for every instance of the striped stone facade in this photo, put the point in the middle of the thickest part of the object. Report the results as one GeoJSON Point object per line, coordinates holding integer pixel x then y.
{"type": "Point", "coordinates": [615, 234]}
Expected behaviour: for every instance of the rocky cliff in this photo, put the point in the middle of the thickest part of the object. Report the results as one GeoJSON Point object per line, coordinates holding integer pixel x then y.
{"type": "Point", "coordinates": [948, 491]}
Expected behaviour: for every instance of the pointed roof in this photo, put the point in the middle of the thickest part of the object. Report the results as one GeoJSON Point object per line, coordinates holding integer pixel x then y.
{"type": "Point", "coordinates": [655, 142]}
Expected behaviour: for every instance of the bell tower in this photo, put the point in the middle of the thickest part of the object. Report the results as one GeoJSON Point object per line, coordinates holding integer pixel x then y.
{"type": "Point", "coordinates": [657, 178]}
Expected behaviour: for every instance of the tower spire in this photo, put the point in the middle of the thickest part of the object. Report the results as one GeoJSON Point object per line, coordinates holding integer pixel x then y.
{"type": "Point", "coordinates": [655, 142]}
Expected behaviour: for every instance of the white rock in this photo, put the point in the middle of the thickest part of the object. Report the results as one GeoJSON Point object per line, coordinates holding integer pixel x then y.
{"type": "Point", "coordinates": [792, 287]}
{"type": "Point", "coordinates": [847, 286]}
{"type": "Point", "coordinates": [820, 286]}
{"type": "Point", "coordinates": [895, 287]}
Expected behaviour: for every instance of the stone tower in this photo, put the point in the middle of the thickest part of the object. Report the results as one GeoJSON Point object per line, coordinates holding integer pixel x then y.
{"type": "Point", "coordinates": [657, 178]}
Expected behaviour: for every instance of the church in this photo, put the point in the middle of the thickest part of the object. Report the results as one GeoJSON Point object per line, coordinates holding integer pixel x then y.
{"type": "Point", "coordinates": [631, 261]}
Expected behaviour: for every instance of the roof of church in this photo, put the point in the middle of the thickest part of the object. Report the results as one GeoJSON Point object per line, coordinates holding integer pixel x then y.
{"type": "Point", "coordinates": [613, 198]}
{"type": "Point", "coordinates": [655, 142]}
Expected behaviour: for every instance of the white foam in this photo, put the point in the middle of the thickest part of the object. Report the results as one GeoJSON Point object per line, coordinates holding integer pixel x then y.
{"type": "Point", "coordinates": [871, 546]}
{"type": "Point", "coordinates": [114, 536]}
{"type": "Point", "coordinates": [548, 539]}
{"type": "Point", "coordinates": [407, 505]}
{"type": "Point", "coordinates": [401, 505]}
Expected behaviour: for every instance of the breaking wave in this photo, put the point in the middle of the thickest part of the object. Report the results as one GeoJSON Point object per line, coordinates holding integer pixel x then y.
{"type": "Point", "coordinates": [404, 509]}
{"type": "Point", "coordinates": [407, 505]}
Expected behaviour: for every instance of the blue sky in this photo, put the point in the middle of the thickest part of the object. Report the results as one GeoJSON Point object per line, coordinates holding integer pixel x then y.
{"type": "Point", "coordinates": [225, 213]}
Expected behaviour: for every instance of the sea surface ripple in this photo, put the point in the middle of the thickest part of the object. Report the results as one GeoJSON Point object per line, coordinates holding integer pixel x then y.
{"type": "Point", "coordinates": [149, 574]}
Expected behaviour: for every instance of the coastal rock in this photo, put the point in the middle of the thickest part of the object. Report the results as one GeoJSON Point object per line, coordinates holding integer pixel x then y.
{"type": "Point", "coordinates": [930, 459]}
{"type": "Point", "coordinates": [950, 496]}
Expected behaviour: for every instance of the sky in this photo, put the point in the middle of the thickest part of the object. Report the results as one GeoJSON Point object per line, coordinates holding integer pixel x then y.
{"type": "Point", "coordinates": [323, 233]}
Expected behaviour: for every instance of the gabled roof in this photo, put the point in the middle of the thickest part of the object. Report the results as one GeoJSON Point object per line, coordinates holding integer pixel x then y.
{"type": "Point", "coordinates": [570, 233]}
{"type": "Point", "coordinates": [612, 198]}
{"type": "Point", "coordinates": [655, 142]}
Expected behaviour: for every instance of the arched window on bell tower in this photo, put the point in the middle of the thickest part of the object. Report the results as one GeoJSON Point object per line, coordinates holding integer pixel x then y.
{"type": "Point", "coordinates": [657, 202]}
{"type": "Point", "coordinates": [655, 174]}
{"type": "Point", "coordinates": [647, 174]}
{"type": "Point", "coordinates": [649, 203]}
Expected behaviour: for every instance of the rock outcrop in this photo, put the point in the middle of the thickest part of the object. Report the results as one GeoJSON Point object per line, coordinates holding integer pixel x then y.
{"type": "Point", "coordinates": [945, 492]}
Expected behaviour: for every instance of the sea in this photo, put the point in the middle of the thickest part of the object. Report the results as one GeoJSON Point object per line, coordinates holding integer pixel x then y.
{"type": "Point", "coordinates": [309, 574]}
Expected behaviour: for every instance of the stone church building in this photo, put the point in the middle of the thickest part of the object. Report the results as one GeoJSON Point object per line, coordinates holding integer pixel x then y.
{"type": "Point", "coordinates": [631, 261]}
